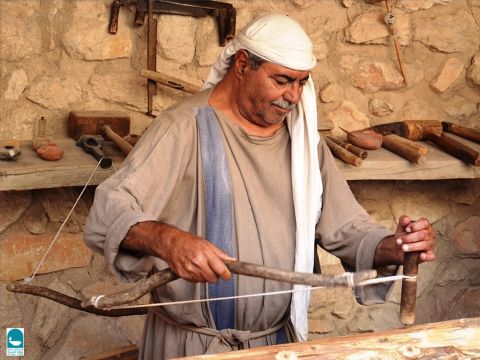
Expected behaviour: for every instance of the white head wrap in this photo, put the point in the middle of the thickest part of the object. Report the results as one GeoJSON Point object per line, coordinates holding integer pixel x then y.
{"type": "Point", "coordinates": [281, 40]}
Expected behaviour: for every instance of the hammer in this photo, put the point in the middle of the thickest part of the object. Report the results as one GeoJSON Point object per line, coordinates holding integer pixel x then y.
{"type": "Point", "coordinates": [93, 145]}
{"type": "Point", "coordinates": [90, 124]}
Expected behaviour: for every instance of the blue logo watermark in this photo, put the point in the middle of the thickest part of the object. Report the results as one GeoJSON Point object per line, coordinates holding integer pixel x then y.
{"type": "Point", "coordinates": [15, 342]}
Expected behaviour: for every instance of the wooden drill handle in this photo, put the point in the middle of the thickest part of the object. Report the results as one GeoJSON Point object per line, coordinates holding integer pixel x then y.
{"type": "Point", "coordinates": [409, 288]}
{"type": "Point", "coordinates": [121, 143]}
{"type": "Point", "coordinates": [465, 132]}
{"type": "Point", "coordinates": [455, 148]}
{"type": "Point", "coordinates": [405, 148]}
{"type": "Point", "coordinates": [343, 154]}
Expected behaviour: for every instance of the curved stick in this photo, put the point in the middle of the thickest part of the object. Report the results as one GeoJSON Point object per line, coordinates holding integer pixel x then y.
{"type": "Point", "coordinates": [69, 301]}
{"type": "Point", "coordinates": [160, 278]}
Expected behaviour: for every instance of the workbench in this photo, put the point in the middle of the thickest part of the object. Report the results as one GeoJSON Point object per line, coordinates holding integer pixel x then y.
{"type": "Point", "coordinates": [75, 167]}
{"type": "Point", "coordinates": [453, 339]}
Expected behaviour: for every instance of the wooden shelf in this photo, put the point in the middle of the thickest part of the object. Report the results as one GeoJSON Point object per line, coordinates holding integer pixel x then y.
{"type": "Point", "coordinates": [74, 169]}
{"type": "Point", "coordinates": [382, 164]}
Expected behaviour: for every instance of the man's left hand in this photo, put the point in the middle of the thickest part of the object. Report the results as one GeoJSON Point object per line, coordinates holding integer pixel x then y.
{"type": "Point", "coordinates": [416, 235]}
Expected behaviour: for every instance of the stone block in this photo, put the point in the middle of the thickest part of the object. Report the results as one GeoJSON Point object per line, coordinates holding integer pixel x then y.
{"type": "Point", "coordinates": [51, 319]}
{"type": "Point", "coordinates": [451, 70]}
{"type": "Point", "coordinates": [415, 5]}
{"type": "Point", "coordinates": [176, 38]}
{"type": "Point", "coordinates": [57, 204]}
{"type": "Point", "coordinates": [466, 236]}
{"type": "Point", "coordinates": [125, 88]}
{"type": "Point", "coordinates": [418, 205]}
{"type": "Point", "coordinates": [321, 325]}
{"type": "Point", "coordinates": [36, 219]}
{"type": "Point", "coordinates": [20, 254]}
{"type": "Point", "coordinates": [465, 304]}
{"type": "Point", "coordinates": [473, 72]}
{"type": "Point", "coordinates": [362, 323]}
{"type": "Point", "coordinates": [379, 107]}
{"type": "Point", "coordinates": [348, 117]}
{"type": "Point", "coordinates": [87, 37]}
{"type": "Point", "coordinates": [20, 32]}
{"type": "Point", "coordinates": [332, 92]}
{"type": "Point", "coordinates": [17, 82]}
{"type": "Point", "coordinates": [12, 205]}
{"type": "Point", "coordinates": [45, 91]}
{"type": "Point", "coordinates": [86, 336]}
{"type": "Point", "coordinates": [459, 107]}
{"type": "Point", "coordinates": [448, 31]}
{"type": "Point", "coordinates": [371, 75]}
{"type": "Point", "coordinates": [370, 28]}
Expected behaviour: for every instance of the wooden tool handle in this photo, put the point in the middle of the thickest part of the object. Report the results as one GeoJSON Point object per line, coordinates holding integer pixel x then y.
{"type": "Point", "coordinates": [121, 143]}
{"type": "Point", "coordinates": [169, 81]}
{"type": "Point", "coordinates": [465, 132]}
{"type": "Point", "coordinates": [409, 288]}
{"type": "Point", "coordinates": [455, 148]}
{"type": "Point", "coordinates": [405, 148]}
{"type": "Point", "coordinates": [343, 154]}
{"type": "Point", "coordinates": [362, 154]}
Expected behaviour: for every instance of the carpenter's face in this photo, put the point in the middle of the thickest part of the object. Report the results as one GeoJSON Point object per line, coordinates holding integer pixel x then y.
{"type": "Point", "coordinates": [269, 93]}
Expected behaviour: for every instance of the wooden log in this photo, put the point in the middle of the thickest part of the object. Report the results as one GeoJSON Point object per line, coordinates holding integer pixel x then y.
{"type": "Point", "coordinates": [343, 154]}
{"type": "Point", "coordinates": [129, 352]}
{"type": "Point", "coordinates": [465, 132]}
{"type": "Point", "coordinates": [405, 148]}
{"type": "Point", "coordinates": [361, 153]}
{"type": "Point", "coordinates": [455, 148]}
{"type": "Point", "coordinates": [454, 339]}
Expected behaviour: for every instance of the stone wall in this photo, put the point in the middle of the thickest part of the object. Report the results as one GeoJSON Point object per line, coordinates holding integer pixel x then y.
{"type": "Point", "coordinates": [56, 56]}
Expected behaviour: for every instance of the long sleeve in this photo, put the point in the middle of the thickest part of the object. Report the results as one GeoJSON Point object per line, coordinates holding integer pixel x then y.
{"type": "Point", "coordinates": [345, 229]}
{"type": "Point", "coordinates": [144, 189]}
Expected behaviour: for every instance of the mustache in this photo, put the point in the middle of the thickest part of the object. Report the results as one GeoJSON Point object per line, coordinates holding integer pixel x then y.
{"type": "Point", "coordinates": [284, 104]}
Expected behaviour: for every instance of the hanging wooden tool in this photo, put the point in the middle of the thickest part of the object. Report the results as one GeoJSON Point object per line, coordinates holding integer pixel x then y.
{"type": "Point", "coordinates": [151, 56]}
{"type": "Point", "coordinates": [170, 81]}
{"type": "Point", "coordinates": [390, 21]}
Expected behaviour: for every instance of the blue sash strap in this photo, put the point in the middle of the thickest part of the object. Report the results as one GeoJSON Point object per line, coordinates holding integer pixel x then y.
{"type": "Point", "coordinates": [219, 210]}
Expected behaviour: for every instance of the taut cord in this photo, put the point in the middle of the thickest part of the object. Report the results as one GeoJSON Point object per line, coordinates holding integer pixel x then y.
{"type": "Point", "coordinates": [28, 280]}
{"type": "Point", "coordinates": [94, 300]}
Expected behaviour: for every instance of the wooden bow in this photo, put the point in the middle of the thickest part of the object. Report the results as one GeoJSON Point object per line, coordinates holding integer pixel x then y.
{"type": "Point", "coordinates": [104, 303]}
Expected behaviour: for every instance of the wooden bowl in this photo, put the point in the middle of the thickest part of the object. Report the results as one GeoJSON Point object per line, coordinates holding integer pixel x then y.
{"type": "Point", "coordinates": [365, 139]}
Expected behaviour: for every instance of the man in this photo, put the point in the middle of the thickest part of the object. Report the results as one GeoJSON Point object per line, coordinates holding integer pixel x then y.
{"type": "Point", "coordinates": [239, 164]}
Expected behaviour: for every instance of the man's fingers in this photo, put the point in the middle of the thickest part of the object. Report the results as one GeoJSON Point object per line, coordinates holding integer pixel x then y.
{"type": "Point", "coordinates": [418, 225]}
{"type": "Point", "coordinates": [220, 269]}
{"type": "Point", "coordinates": [404, 220]}
{"type": "Point", "coordinates": [427, 256]}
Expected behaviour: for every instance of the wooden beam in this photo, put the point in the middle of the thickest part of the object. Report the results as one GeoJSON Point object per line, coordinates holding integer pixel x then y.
{"type": "Point", "coordinates": [454, 339]}
{"type": "Point", "coordinates": [128, 352]}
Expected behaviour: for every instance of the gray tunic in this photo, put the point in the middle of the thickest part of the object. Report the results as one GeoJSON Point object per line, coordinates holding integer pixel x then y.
{"type": "Point", "coordinates": [162, 180]}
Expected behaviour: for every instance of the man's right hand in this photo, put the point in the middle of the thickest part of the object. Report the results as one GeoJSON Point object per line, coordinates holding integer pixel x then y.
{"type": "Point", "coordinates": [189, 256]}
